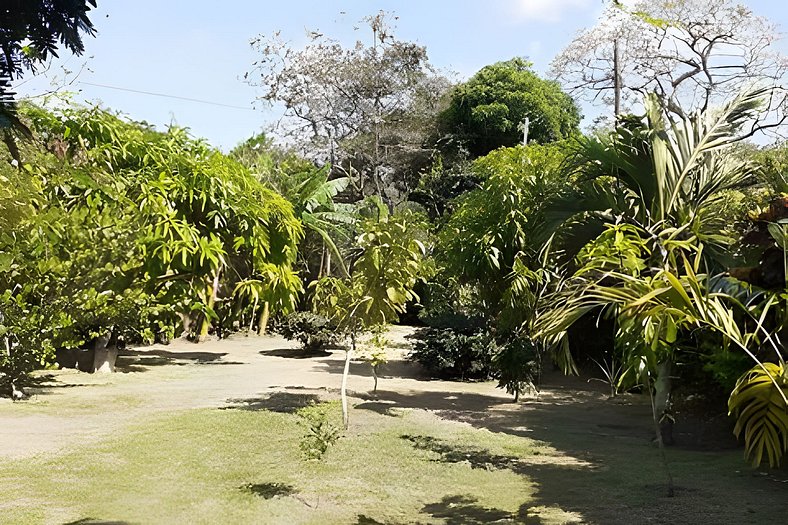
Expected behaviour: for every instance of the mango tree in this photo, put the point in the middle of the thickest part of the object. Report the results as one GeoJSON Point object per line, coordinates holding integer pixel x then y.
{"type": "Point", "coordinates": [380, 284]}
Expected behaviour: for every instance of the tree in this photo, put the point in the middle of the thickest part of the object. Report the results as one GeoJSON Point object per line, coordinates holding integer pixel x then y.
{"type": "Point", "coordinates": [122, 208]}
{"type": "Point", "coordinates": [328, 224]}
{"type": "Point", "coordinates": [694, 54]}
{"type": "Point", "coordinates": [655, 190]}
{"type": "Point", "coordinates": [495, 227]}
{"type": "Point", "coordinates": [29, 35]}
{"type": "Point", "coordinates": [488, 111]}
{"type": "Point", "coordinates": [361, 109]}
{"type": "Point", "coordinates": [380, 284]}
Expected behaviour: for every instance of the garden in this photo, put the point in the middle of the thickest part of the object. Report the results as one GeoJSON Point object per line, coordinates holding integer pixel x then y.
{"type": "Point", "coordinates": [418, 300]}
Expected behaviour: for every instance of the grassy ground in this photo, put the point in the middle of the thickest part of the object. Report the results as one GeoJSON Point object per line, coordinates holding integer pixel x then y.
{"type": "Point", "coordinates": [245, 466]}
{"type": "Point", "coordinates": [184, 440]}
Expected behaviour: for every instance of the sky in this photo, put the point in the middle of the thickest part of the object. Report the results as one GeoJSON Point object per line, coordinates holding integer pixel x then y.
{"type": "Point", "coordinates": [199, 49]}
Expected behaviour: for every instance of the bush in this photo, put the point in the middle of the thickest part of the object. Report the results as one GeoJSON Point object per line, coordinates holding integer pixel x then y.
{"type": "Point", "coordinates": [322, 429]}
{"type": "Point", "coordinates": [26, 333]}
{"type": "Point", "coordinates": [517, 365]}
{"type": "Point", "coordinates": [451, 354]}
{"type": "Point", "coordinates": [313, 331]}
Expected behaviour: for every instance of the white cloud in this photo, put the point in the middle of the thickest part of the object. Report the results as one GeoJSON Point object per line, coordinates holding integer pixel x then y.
{"type": "Point", "coordinates": [548, 10]}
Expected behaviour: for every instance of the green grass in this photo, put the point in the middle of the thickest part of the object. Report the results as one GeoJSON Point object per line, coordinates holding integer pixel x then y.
{"type": "Point", "coordinates": [217, 466]}
{"type": "Point", "coordinates": [238, 466]}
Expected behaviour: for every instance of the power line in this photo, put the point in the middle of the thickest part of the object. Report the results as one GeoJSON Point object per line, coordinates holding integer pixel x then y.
{"type": "Point", "coordinates": [166, 96]}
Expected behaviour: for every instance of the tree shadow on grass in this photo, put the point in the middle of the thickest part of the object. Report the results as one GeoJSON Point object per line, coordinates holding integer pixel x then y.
{"type": "Point", "coordinates": [284, 402]}
{"type": "Point", "coordinates": [37, 384]}
{"type": "Point", "coordinates": [91, 521]}
{"type": "Point", "coordinates": [269, 490]}
{"type": "Point", "coordinates": [605, 467]}
{"type": "Point", "coordinates": [476, 458]}
{"type": "Point", "coordinates": [363, 519]}
{"type": "Point", "coordinates": [464, 510]}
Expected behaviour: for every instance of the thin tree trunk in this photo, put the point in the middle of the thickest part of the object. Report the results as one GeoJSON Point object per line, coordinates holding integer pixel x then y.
{"type": "Point", "coordinates": [345, 372]}
{"type": "Point", "coordinates": [328, 263]}
{"type": "Point", "coordinates": [322, 261]}
{"type": "Point", "coordinates": [264, 316]}
{"type": "Point", "coordinates": [662, 388]}
{"type": "Point", "coordinates": [616, 80]}
{"type": "Point", "coordinates": [213, 289]}
{"type": "Point", "coordinates": [251, 321]}
{"type": "Point", "coordinates": [660, 442]}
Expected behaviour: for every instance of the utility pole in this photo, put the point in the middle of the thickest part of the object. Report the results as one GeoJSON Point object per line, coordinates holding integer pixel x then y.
{"type": "Point", "coordinates": [526, 124]}
{"type": "Point", "coordinates": [616, 80]}
{"type": "Point", "coordinates": [616, 72]}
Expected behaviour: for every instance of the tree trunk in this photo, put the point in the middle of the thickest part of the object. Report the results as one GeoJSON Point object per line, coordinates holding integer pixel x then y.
{"type": "Point", "coordinates": [375, 376]}
{"type": "Point", "coordinates": [658, 431]}
{"type": "Point", "coordinates": [662, 388]}
{"type": "Point", "coordinates": [322, 261]}
{"type": "Point", "coordinates": [213, 290]}
{"type": "Point", "coordinates": [264, 316]}
{"type": "Point", "coordinates": [104, 356]}
{"type": "Point", "coordinates": [186, 322]}
{"type": "Point", "coordinates": [345, 372]}
{"type": "Point", "coordinates": [251, 322]}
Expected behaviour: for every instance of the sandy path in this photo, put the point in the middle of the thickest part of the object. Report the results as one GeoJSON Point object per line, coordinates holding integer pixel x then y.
{"type": "Point", "coordinates": [75, 408]}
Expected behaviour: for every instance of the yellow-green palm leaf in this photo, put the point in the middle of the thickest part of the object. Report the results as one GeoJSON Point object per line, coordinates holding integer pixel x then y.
{"type": "Point", "coordinates": [758, 402]}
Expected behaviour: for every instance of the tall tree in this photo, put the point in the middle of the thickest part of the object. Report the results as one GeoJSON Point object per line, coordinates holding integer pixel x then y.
{"type": "Point", "coordinates": [488, 110]}
{"type": "Point", "coordinates": [363, 109]}
{"type": "Point", "coordinates": [693, 54]}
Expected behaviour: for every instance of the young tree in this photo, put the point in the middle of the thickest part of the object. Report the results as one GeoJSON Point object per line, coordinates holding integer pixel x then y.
{"type": "Point", "coordinates": [693, 54]}
{"type": "Point", "coordinates": [380, 284]}
{"type": "Point", "coordinates": [488, 111]}
{"type": "Point", "coordinates": [363, 109]}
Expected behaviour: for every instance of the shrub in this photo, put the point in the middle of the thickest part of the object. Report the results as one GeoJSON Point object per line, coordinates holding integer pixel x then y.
{"type": "Point", "coordinates": [451, 354]}
{"type": "Point", "coordinates": [313, 331]}
{"type": "Point", "coordinates": [26, 333]}
{"type": "Point", "coordinates": [322, 432]}
{"type": "Point", "coordinates": [517, 365]}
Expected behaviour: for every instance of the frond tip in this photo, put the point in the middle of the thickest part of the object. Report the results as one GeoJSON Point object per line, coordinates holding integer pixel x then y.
{"type": "Point", "coordinates": [758, 402]}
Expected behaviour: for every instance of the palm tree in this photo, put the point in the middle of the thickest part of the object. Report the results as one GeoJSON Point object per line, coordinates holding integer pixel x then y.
{"type": "Point", "coordinates": [644, 218]}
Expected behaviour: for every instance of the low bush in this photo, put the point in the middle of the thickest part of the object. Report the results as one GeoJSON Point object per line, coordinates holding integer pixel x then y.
{"type": "Point", "coordinates": [322, 429]}
{"type": "Point", "coordinates": [453, 354]}
{"type": "Point", "coordinates": [517, 365]}
{"type": "Point", "coordinates": [313, 331]}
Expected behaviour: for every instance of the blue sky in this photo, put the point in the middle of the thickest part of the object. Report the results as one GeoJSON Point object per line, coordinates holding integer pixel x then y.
{"type": "Point", "coordinates": [199, 49]}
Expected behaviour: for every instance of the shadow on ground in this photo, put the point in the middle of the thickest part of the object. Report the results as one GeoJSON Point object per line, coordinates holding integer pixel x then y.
{"type": "Point", "coordinates": [294, 353]}
{"type": "Point", "coordinates": [401, 369]}
{"type": "Point", "coordinates": [606, 468]}
{"type": "Point", "coordinates": [140, 361]}
{"type": "Point", "coordinates": [91, 521]}
{"type": "Point", "coordinates": [269, 490]}
{"type": "Point", "coordinates": [285, 402]}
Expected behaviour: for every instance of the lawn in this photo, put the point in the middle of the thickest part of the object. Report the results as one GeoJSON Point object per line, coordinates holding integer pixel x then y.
{"type": "Point", "coordinates": [196, 443]}
{"type": "Point", "coordinates": [245, 466]}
